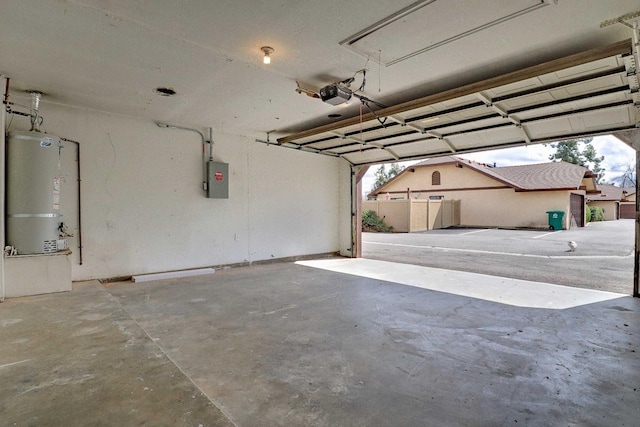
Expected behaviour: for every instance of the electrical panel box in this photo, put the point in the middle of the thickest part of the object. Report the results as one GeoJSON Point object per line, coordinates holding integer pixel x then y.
{"type": "Point", "coordinates": [217, 180]}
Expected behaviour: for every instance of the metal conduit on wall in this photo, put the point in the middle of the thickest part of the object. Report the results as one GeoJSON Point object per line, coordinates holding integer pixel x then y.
{"type": "Point", "coordinates": [2, 184]}
{"type": "Point", "coordinates": [79, 198]}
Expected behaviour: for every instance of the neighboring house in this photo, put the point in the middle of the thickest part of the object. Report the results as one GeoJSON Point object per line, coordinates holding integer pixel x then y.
{"type": "Point", "coordinates": [628, 203]}
{"type": "Point", "coordinates": [608, 199]}
{"type": "Point", "coordinates": [513, 196]}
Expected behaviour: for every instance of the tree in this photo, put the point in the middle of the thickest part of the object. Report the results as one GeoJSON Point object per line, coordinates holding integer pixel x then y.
{"type": "Point", "coordinates": [628, 178]}
{"type": "Point", "coordinates": [382, 175]}
{"type": "Point", "coordinates": [569, 151]}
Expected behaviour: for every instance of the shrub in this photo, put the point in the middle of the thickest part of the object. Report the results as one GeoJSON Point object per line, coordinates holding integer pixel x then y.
{"type": "Point", "coordinates": [371, 222]}
{"type": "Point", "coordinates": [588, 214]}
{"type": "Point", "coordinates": [596, 213]}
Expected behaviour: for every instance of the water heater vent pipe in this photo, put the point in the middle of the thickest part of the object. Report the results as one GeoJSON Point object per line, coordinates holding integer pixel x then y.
{"type": "Point", "coordinates": [35, 107]}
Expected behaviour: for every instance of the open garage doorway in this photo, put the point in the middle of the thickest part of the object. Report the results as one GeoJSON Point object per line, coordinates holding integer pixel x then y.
{"type": "Point", "coordinates": [601, 260]}
{"type": "Point", "coordinates": [586, 94]}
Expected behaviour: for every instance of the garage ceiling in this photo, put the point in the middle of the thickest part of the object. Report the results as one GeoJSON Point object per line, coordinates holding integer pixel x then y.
{"type": "Point", "coordinates": [595, 92]}
{"type": "Point", "coordinates": [109, 56]}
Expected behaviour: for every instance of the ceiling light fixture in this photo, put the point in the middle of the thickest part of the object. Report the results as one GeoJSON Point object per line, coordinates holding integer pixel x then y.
{"type": "Point", "coordinates": [267, 51]}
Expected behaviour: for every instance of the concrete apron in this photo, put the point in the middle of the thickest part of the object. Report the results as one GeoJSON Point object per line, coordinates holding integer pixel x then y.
{"type": "Point", "coordinates": [326, 343]}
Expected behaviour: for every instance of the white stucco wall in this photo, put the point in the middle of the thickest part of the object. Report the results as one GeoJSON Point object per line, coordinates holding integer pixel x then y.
{"type": "Point", "coordinates": [143, 208]}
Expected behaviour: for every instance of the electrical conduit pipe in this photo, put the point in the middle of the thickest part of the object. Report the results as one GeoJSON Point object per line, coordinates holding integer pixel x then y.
{"type": "Point", "coordinates": [204, 148]}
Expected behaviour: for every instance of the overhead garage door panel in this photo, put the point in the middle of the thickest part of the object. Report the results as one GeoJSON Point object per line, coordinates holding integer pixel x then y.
{"type": "Point", "coordinates": [506, 135]}
{"type": "Point", "coordinates": [550, 128]}
{"type": "Point", "coordinates": [594, 121]}
{"type": "Point", "coordinates": [587, 69]}
{"type": "Point", "coordinates": [595, 103]}
{"type": "Point", "coordinates": [576, 75]}
{"type": "Point", "coordinates": [431, 145]}
{"type": "Point", "coordinates": [464, 126]}
{"type": "Point", "coordinates": [368, 155]}
{"type": "Point", "coordinates": [455, 102]}
{"type": "Point", "coordinates": [587, 94]}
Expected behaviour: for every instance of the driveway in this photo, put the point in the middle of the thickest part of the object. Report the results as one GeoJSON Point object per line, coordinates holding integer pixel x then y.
{"type": "Point", "coordinates": [603, 259]}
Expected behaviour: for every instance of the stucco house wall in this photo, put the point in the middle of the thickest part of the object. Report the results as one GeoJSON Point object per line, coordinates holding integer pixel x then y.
{"type": "Point", "coordinates": [609, 206]}
{"type": "Point", "coordinates": [508, 208]}
{"type": "Point", "coordinates": [484, 200]}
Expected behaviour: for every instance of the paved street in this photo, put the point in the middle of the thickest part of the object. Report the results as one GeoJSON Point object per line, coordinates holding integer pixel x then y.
{"type": "Point", "coordinates": [603, 259]}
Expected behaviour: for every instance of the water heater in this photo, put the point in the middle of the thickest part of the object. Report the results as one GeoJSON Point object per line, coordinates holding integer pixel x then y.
{"type": "Point", "coordinates": [33, 192]}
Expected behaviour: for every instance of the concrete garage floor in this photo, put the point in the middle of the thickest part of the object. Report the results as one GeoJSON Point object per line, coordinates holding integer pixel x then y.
{"type": "Point", "coordinates": [334, 342]}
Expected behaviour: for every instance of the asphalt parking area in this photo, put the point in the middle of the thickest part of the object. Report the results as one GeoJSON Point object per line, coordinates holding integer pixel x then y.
{"type": "Point", "coordinates": [603, 259]}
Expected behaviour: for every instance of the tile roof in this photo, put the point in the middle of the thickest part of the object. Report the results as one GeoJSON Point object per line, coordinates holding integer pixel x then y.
{"type": "Point", "coordinates": [607, 192]}
{"type": "Point", "coordinates": [544, 176]}
{"type": "Point", "coordinates": [541, 176]}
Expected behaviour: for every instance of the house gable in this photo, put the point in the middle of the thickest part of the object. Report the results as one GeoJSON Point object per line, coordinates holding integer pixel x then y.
{"type": "Point", "coordinates": [451, 176]}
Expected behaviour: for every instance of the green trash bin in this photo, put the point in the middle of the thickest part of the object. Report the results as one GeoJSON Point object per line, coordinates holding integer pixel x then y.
{"type": "Point", "coordinates": [556, 220]}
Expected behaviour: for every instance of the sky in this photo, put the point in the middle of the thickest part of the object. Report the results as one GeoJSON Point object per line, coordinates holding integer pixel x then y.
{"type": "Point", "coordinates": [617, 157]}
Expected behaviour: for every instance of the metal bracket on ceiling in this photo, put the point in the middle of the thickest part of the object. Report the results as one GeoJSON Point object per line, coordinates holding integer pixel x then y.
{"type": "Point", "coordinates": [489, 103]}
{"type": "Point", "coordinates": [439, 137]}
{"type": "Point", "coordinates": [382, 147]}
{"type": "Point", "coordinates": [402, 122]}
{"type": "Point", "coordinates": [269, 132]}
{"type": "Point", "coordinates": [450, 144]}
{"type": "Point", "coordinates": [505, 114]}
{"type": "Point", "coordinates": [622, 20]}
{"type": "Point", "coordinates": [364, 142]}
{"type": "Point", "coordinates": [348, 138]}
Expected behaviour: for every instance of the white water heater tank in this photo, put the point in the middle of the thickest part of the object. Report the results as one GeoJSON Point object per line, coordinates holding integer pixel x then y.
{"type": "Point", "coordinates": [33, 192]}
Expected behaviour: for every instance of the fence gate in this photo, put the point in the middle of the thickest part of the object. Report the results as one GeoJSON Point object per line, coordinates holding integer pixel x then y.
{"type": "Point", "coordinates": [577, 209]}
